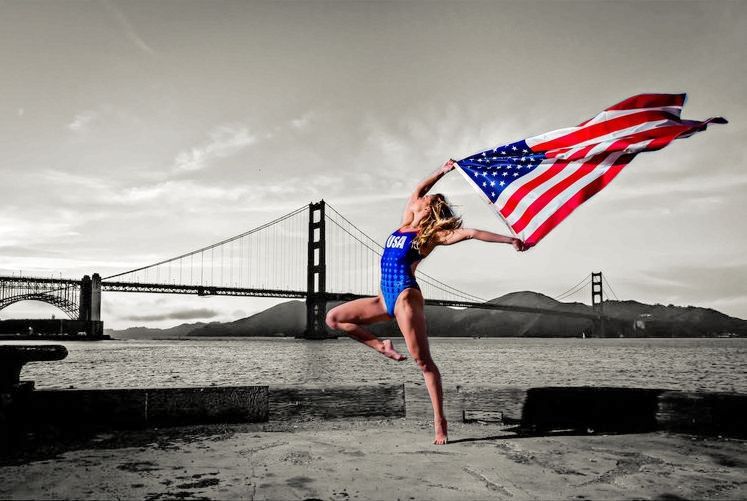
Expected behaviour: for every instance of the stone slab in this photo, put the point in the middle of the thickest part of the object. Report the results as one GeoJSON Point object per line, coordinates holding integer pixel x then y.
{"type": "Point", "coordinates": [137, 408]}
{"type": "Point", "coordinates": [464, 402]}
{"type": "Point", "coordinates": [339, 401]}
{"type": "Point", "coordinates": [87, 409]}
{"type": "Point", "coordinates": [703, 413]}
{"type": "Point", "coordinates": [590, 408]}
{"type": "Point", "coordinates": [220, 404]}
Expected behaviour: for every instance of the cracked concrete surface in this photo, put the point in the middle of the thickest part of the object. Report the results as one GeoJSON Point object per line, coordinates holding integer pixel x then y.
{"type": "Point", "coordinates": [386, 459]}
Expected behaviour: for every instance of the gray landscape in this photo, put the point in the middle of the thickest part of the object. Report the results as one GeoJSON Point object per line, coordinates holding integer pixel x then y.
{"type": "Point", "coordinates": [626, 319]}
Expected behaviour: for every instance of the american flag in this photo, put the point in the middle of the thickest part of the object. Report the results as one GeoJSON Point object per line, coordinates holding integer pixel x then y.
{"type": "Point", "coordinates": [537, 182]}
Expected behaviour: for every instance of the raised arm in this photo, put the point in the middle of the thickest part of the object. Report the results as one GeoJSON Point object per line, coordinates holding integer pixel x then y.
{"type": "Point", "coordinates": [462, 234]}
{"type": "Point", "coordinates": [426, 184]}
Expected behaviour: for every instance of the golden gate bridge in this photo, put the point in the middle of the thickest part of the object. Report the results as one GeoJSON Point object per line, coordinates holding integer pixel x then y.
{"type": "Point", "coordinates": [313, 253]}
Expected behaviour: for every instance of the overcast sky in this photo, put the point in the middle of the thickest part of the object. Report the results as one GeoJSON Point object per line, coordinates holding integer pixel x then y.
{"type": "Point", "coordinates": [134, 131]}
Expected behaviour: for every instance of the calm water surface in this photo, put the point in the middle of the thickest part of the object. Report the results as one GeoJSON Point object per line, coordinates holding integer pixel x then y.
{"type": "Point", "coordinates": [684, 364]}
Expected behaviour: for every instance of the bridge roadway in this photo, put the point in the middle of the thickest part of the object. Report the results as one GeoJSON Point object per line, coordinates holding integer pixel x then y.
{"type": "Point", "coordinates": [329, 296]}
{"type": "Point", "coordinates": [204, 290]}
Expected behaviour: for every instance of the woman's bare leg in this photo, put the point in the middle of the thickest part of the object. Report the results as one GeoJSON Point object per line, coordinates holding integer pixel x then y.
{"type": "Point", "coordinates": [411, 319]}
{"type": "Point", "coordinates": [349, 317]}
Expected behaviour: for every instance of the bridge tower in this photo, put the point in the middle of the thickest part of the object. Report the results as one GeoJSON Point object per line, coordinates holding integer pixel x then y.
{"type": "Point", "coordinates": [90, 298]}
{"type": "Point", "coordinates": [597, 301]}
{"type": "Point", "coordinates": [84, 313]}
{"type": "Point", "coordinates": [316, 272]}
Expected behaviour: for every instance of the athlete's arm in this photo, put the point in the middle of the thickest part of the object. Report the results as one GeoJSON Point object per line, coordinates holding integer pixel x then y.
{"type": "Point", "coordinates": [462, 234]}
{"type": "Point", "coordinates": [427, 183]}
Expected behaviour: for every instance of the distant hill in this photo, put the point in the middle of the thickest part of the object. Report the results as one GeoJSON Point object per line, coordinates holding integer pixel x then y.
{"type": "Point", "coordinates": [682, 321]}
{"type": "Point", "coordinates": [627, 318]}
{"type": "Point", "coordinates": [178, 331]}
{"type": "Point", "coordinates": [284, 319]}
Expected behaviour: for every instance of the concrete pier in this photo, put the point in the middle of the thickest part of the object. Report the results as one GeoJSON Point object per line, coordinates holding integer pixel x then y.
{"type": "Point", "coordinates": [382, 459]}
{"type": "Point", "coordinates": [374, 442]}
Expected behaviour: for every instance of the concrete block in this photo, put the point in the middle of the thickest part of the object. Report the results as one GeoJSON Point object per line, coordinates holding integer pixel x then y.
{"type": "Point", "coordinates": [489, 400]}
{"type": "Point", "coordinates": [88, 409]}
{"type": "Point", "coordinates": [233, 404]}
{"type": "Point", "coordinates": [590, 408]}
{"type": "Point", "coordinates": [339, 401]}
{"type": "Point", "coordinates": [703, 413]}
{"type": "Point", "coordinates": [419, 405]}
{"type": "Point", "coordinates": [466, 402]}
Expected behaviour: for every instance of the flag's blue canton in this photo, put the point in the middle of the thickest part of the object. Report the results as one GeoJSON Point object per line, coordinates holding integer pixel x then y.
{"type": "Point", "coordinates": [493, 170]}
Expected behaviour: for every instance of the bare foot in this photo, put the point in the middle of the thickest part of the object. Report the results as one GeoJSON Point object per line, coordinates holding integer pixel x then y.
{"type": "Point", "coordinates": [388, 351]}
{"type": "Point", "coordinates": [441, 432]}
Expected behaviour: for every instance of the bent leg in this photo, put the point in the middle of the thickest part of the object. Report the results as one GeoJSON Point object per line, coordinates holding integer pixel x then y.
{"type": "Point", "coordinates": [411, 320]}
{"type": "Point", "coordinates": [350, 316]}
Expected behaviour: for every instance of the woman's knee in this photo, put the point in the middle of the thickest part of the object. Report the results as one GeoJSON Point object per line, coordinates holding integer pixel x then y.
{"type": "Point", "coordinates": [422, 359]}
{"type": "Point", "coordinates": [425, 363]}
{"type": "Point", "coordinates": [333, 319]}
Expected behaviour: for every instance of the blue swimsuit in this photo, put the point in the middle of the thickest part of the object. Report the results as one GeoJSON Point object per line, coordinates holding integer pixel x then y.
{"type": "Point", "coordinates": [400, 252]}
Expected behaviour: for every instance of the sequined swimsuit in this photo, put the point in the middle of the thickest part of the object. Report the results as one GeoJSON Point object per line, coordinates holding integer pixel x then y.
{"type": "Point", "coordinates": [400, 252]}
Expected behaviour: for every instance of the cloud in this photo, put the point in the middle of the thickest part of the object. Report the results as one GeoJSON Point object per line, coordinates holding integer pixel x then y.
{"type": "Point", "coordinates": [82, 121]}
{"type": "Point", "coordinates": [128, 29]}
{"type": "Point", "coordinates": [716, 285]}
{"type": "Point", "coordinates": [184, 314]}
{"type": "Point", "coordinates": [189, 194]}
{"type": "Point", "coordinates": [303, 121]}
{"type": "Point", "coordinates": [715, 184]}
{"type": "Point", "coordinates": [24, 228]}
{"type": "Point", "coordinates": [224, 141]}
{"type": "Point", "coordinates": [174, 191]}
{"type": "Point", "coordinates": [22, 251]}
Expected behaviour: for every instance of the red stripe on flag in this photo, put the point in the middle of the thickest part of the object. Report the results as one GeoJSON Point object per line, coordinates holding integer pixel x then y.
{"type": "Point", "coordinates": [579, 154]}
{"type": "Point", "coordinates": [603, 128]}
{"type": "Point", "coordinates": [514, 199]}
{"type": "Point", "coordinates": [547, 197]}
{"type": "Point", "coordinates": [582, 196]}
{"type": "Point", "coordinates": [649, 101]}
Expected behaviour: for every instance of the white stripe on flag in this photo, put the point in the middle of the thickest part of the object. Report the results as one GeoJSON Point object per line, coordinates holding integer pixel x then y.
{"type": "Point", "coordinates": [538, 191]}
{"type": "Point", "coordinates": [541, 168]}
{"type": "Point", "coordinates": [622, 133]}
{"type": "Point", "coordinates": [566, 195]}
{"type": "Point", "coordinates": [549, 136]}
{"type": "Point", "coordinates": [609, 115]}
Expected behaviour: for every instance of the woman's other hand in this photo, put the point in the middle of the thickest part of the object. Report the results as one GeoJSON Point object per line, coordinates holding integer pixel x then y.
{"type": "Point", "coordinates": [518, 244]}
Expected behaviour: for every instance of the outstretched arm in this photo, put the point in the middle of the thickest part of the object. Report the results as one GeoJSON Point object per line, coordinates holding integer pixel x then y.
{"type": "Point", "coordinates": [426, 184]}
{"type": "Point", "coordinates": [461, 234]}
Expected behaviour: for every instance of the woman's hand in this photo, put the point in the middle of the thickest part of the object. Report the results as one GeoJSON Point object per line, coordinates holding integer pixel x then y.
{"type": "Point", "coordinates": [448, 166]}
{"type": "Point", "coordinates": [518, 244]}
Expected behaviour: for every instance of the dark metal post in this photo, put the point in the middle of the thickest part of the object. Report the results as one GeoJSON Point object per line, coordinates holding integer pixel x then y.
{"type": "Point", "coordinates": [85, 299]}
{"type": "Point", "coordinates": [316, 272]}
{"type": "Point", "coordinates": [95, 297]}
{"type": "Point", "coordinates": [597, 298]}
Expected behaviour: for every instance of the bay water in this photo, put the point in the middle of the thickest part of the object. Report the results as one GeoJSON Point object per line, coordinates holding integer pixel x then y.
{"type": "Point", "coordinates": [680, 364]}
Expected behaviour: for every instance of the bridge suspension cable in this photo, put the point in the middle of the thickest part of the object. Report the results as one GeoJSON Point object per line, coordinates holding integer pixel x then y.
{"type": "Point", "coordinates": [609, 286]}
{"type": "Point", "coordinates": [575, 289]}
{"type": "Point", "coordinates": [270, 256]}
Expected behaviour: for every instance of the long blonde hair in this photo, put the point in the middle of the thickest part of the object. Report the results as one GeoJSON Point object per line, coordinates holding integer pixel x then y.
{"type": "Point", "coordinates": [440, 218]}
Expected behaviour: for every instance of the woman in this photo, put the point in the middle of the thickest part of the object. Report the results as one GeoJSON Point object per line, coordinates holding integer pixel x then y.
{"type": "Point", "coordinates": [427, 222]}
